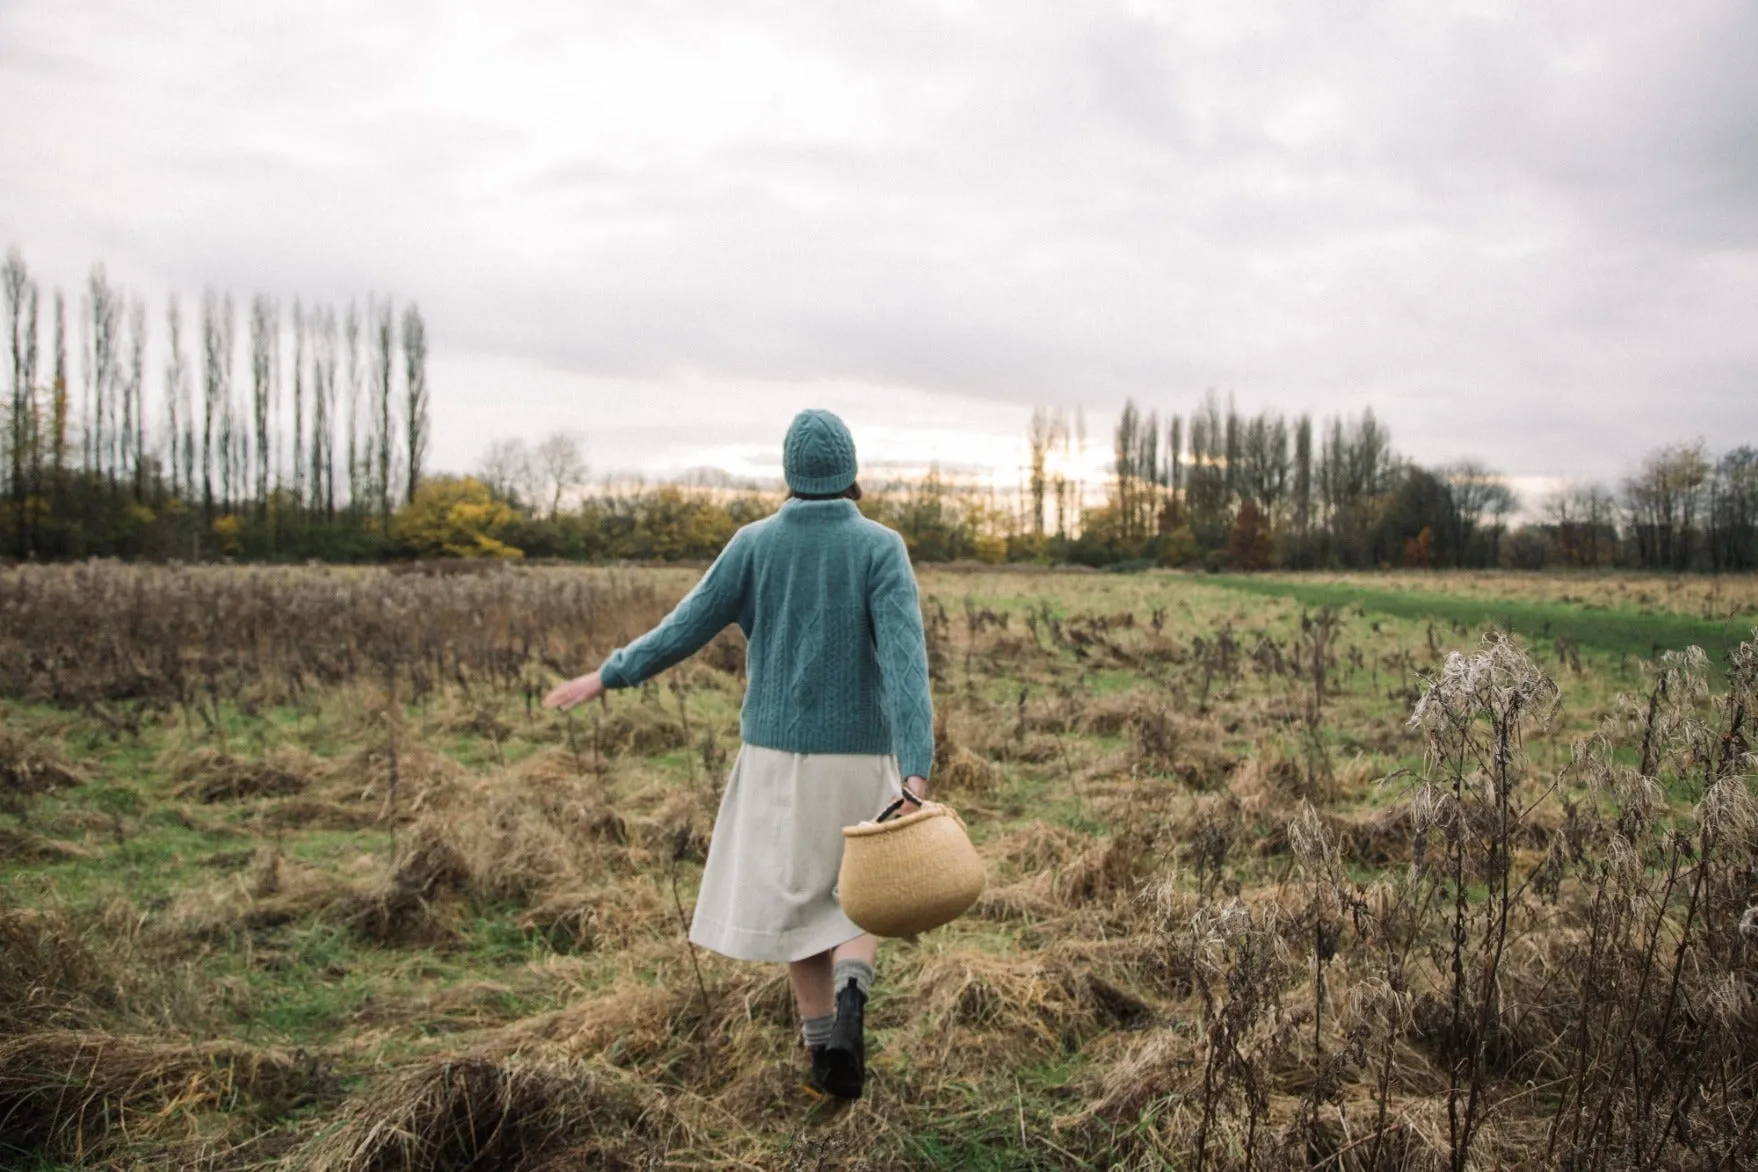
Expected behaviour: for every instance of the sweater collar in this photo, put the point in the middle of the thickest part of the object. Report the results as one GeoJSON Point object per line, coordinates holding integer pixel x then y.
{"type": "Point", "coordinates": [794, 509]}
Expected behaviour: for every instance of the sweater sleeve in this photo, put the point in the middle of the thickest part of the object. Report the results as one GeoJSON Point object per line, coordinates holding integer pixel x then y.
{"type": "Point", "coordinates": [903, 659]}
{"type": "Point", "coordinates": [703, 613]}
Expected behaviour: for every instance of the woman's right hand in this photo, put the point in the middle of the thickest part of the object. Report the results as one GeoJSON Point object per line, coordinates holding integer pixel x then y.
{"type": "Point", "coordinates": [579, 691]}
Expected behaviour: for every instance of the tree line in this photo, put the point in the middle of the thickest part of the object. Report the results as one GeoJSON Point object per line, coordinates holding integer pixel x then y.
{"type": "Point", "coordinates": [317, 447]}
{"type": "Point", "coordinates": [1215, 489]}
{"type": "Point", "coordinates": [306, 448]}
{"type": "Point", "coordinates": [1225, 490]}
{"type": "Point", "coordinates": [1264, 492]}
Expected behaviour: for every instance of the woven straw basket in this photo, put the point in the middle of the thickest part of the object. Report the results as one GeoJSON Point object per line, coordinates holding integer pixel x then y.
{"type": "Point", "coordinates": [909, 874]}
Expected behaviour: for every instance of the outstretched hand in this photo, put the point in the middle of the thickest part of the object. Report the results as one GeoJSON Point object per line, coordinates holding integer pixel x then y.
{"type": "Point", "coordinates": [578, 691]}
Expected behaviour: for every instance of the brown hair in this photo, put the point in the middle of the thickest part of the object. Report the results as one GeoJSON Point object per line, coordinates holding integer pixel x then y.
{"type": "Point", "coordinates": [852, 493]}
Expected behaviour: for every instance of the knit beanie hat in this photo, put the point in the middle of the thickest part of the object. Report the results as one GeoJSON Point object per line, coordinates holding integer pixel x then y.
{"type": "Point", "coordinates": [818, 455]}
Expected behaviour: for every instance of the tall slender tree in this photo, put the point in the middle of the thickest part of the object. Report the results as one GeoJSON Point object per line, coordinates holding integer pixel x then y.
{"type": "Point", "coordinates": [58, 408]}
{"type": "Point", "coordinates": [101, 323]}
{"type": "Point", "coordinates": [264, 325]}
{"type": "Point", "coordinates": [357, 493]}
{"type": "Point", "coordinates": [134, 400]}
{"type": "Point", "coordinates": [1124, 451]}
{"type": "Point", "coordinates": [1059, 444]}
{"type": "Point", "coordinates": [212, 387]}
{"type": "Point", "coordinates": [383, 342]}
{"type": "Point", "coordinates": [323, 391]}
{"type": "Point", "coordinates": [299, 332]}
{"type": "Point", "coordinates": [16, 278]}
{"type": "Point", "coordinates": [1147, 472]}
{"type": "Point", "coordinates": [176, 387]}
{"type": "Point", "coordinates": [1303, 487]}
{"type": "Point", "coordinates": [417, 426]}
{"type": "Point", "coordinates": [33, 424]}
{"type": "Point", "coordinates": [1080, 464]}
{"type": "Point", "coordinates": [1038, 436]}
{"type": "Point", "coordinates": [1230, 454]}
{"type": "Point", "coordinates": [1175, 471]}
{"type": "Point", "coordinates": [233, 470]}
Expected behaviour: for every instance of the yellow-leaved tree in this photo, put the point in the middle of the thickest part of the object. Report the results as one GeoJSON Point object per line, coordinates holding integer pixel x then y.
{"type": "Point", "coordinates": [454, 516]}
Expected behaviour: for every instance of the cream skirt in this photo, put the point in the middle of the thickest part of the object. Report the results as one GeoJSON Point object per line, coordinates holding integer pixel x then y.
{"type": "Point", "coordinates": [769, 889]}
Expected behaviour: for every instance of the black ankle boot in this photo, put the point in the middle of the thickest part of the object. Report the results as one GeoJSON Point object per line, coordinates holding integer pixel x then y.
{"type": "Point", "coordinates": [821, 1069]}
{"type": "Point", "coordinates": [845, 1056]}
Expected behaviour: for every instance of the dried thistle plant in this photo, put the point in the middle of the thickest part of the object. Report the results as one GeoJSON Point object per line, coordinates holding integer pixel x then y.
{"type": "Point", "coordinates": [1473, 717]}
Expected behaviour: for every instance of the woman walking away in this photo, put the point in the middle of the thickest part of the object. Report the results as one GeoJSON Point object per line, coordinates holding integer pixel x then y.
{"type": "Point", "coordinates": [837, 712]}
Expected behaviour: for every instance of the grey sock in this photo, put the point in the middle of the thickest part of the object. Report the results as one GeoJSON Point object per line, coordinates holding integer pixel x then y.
{"type": "Point", "coordinates": [860, 970]}
{"type": "Point", "coordinates": [816, 1030]}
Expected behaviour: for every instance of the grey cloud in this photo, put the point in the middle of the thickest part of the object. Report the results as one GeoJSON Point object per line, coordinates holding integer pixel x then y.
{"type": "Point", "coordinates": [1527, 235]}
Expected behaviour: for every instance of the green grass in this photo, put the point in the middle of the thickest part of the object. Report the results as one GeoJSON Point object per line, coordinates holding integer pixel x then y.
{"type": "Point", "coordinates": [317, 984]}
{"type": "Point", "coordinates": [1617, 632]}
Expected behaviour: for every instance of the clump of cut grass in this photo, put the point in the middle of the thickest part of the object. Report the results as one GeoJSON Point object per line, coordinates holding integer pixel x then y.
{"type": "Point", "coordinates": [77, 1093]}
{"type": "Point", "coordinates": [210, 775]}
{"type": "Point", "coordinates": [30, 768]}
{"type": "Point", "coordinates": [639, 730]}
{"type": "Point", "coordinates": [45, 967]}
{"type": "Point", "coordinates": [415, 904]}
{"type": "Point", "coordinates": [973, 1004]}
{"type": "Point", "coordinates": [477, 1113]}
{"type": "Point", "coordinates": [22, 846]}
{"type": "Point", "coordinates": [965, 772]}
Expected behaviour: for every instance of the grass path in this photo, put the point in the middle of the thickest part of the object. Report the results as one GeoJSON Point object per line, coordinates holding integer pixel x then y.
{"type": "Point", "coordinates": [1619, 631]}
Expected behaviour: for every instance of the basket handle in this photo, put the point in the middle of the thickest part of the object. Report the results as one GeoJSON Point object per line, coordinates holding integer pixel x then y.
{"type": "Point", "coordinates": [891, 811]}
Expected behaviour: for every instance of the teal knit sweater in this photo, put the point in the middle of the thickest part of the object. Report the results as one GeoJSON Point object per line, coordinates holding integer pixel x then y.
{"type": "Point", "coordinates": [835, 657]}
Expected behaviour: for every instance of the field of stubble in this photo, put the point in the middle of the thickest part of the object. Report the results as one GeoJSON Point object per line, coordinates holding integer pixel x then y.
{"type": "Point", "coordinates": [295, 873]}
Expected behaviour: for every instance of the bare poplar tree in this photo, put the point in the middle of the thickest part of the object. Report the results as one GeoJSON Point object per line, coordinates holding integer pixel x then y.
{"type": "Point", "coordinates": [233, 468]}
{"type": "Point", "coordinates": [101, 326]}
{"type": "Point", "coordinates": [1230, 454]}
{"type": "Point", "coordinates": [298, 403]}
{"type": "Point", "coordinates": [227, 437]}
{"type": "Point", "coordinates": [16, 278]}
{"type": "Point", "coordinates": [1059, 442]}
{"type": "Point", "coordinates": [134, 399]}
{"type": "Point", "coordinates": [86, 394]}
{"type": "Point", "coordinates": [1147, 471]}
{"type": "Point", "coordinates": [1080, 485]}
{"type": "Point", "coordinates": [415, 401]}
{"type": "Point", "coordinates": [33, 428]}
{"type": "Point", "coordinates": [1303, 481]}
{"type": "Point", "coordinates": [1038, 442]}
{"type": "Point", "coordinates": [1175, 470]}
{"type": "Point", "coordinates": [383, 342]}
{"type": "Point", "coordinates": [264, 324]}
{"type": "Point", "coordinates": [323, 395]}
{"type": "Point", "coordinates": [176, 387]}
{"type": "Point", "coordinates": [58, 410]}
{"type": "Point", "coordinates": [1207, 505]}
{"type": "Point", "coordinates": [211, 386]}
{"type": "Point", "coordinates": [22, 436]}
{"type": "Point", "coordinates": [1123, 445]}
{"type": "Point", "coordinates": [356, 457]}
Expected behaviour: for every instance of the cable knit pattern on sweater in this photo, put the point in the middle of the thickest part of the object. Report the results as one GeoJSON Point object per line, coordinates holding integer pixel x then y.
{"type": "Point", "coordinates": [835, 656]}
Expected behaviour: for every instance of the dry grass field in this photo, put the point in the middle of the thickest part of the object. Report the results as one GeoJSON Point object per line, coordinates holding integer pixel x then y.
{"type": "Point", "coordinates": [1284, 872]}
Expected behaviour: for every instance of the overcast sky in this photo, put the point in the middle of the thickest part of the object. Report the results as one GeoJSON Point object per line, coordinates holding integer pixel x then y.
{"type": "Point", "coordinates": [1521, 231]}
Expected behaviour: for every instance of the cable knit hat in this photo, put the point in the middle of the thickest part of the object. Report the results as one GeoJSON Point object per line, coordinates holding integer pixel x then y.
{"type": "Point", "coordinates": [818, 455]}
